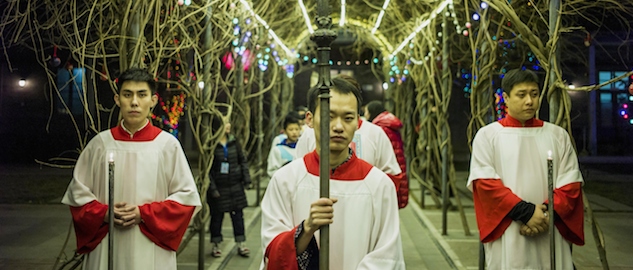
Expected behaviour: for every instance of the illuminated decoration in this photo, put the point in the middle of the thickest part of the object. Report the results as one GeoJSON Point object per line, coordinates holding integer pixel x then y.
{"type": "Point", "coordinates": [229, 61]}
{"type": "Point", "coordinates": [22, 82]}
{"type": "Point", "coordinates": [342, 20]}
{"type": "Point", "coordinates": [501, 109]}
{"type": "Point", "coordinates": [422, 25]}
{"type": "Point", "coordinates": [306, 17]}
{"type": "Point", "coordinates": [380, 15]}
{"type": "Point", "coordinates": [173, 109]}
{"type": "Point", "coordinates": [289, 53]}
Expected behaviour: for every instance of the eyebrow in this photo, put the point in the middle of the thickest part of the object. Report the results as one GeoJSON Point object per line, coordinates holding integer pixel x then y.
{"type": "Point", "coordinates": [132, 91]}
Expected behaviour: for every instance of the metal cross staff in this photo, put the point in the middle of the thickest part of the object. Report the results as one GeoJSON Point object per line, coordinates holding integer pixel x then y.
{"type": "Point", "coordinates": [110, 211]}
{"type": "Point", "coordinates": [550, 209]}
{"type": "Point", "coordinates": [324, 37]}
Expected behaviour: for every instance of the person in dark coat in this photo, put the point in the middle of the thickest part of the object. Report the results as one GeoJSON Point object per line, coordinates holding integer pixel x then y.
{"type": "Point", "coordinates": [376, 113]}
{"type": "Point", "coordinates": [229, 176]}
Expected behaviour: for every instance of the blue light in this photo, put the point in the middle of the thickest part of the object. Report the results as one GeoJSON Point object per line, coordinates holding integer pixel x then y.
{"type": "Point", "coordinates": [314, 60]}
{"type": "Point", "coordinates": [484, 5]}
{"type": "Point", "coordinates": [475, 16]}
{"type": "Point", "coordinates": [375, 60]}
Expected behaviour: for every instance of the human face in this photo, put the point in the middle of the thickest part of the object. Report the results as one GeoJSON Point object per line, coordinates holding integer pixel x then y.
{"type": "Point", "coordinates": [227, 127]}
{"type": "Point", "coordinates": [135, 100]}
{"type": "Point", "coordinates": [293, 131]}
{"type": "Point", "coordinates": [343, 121]}
{"type": "Point", "coordinates": [523, 101]}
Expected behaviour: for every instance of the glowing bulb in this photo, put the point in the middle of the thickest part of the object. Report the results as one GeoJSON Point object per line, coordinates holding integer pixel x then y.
{"type": "Point", "coordinates": [22, 83]}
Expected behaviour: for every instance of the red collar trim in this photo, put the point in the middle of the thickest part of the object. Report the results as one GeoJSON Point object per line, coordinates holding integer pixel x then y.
{"type": "Point", "coordinates": [360, 122]}
{"type": "Point", "coordinates": [146, 134]}
{"type": "Point", "coordinates": [509, 121]}
{"type": "Point", "coordinates": [354, 169]}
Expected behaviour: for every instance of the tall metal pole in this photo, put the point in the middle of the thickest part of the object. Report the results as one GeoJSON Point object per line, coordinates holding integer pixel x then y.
{"type": "Point", "coordinates": [550, 211]}
{"type": "Point", "coordinates": [205, 130]}
{"type": "Point", "coordinates": [111, 212]}
{"type": "Point", "coordinates": [323, 37]}
{"type": "Point", "coordinates": [260, 136]}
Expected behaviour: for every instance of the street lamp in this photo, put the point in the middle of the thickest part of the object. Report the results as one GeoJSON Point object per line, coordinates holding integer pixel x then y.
{"type": "Point", "coordinates": [22, 83]}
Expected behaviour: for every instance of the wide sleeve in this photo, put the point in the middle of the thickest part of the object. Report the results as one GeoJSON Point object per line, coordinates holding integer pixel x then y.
{"type": "Point", "coordinates": [386, 252]}
{"type": "Point", "coordinates": [568, 203]}
{"type": "Point", "coordinates": [165, 222]}
{"type": "Point", "coordinates": [493, 201]}
{"type": "Point", "coordinates": [278, 228]}
{"type": "Point", "coordinates": [90, 229]}
{"type": "Point", "coordinates": [182, 187]}
{"type": "Point", "coordinates": [82, 196]}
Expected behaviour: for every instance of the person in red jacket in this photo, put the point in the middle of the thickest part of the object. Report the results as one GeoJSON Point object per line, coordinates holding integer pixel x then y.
{"type": "Point", "coordinates": [376, 113]}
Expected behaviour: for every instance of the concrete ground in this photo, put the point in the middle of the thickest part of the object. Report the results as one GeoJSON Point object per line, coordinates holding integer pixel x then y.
{"type": "Point", "coordinates": [34, 236]}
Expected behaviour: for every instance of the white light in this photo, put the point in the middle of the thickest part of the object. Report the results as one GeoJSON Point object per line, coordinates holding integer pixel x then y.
{"type": "Point", "coordinates": [571, 86]}
{"type": "Point", "coordinates": [305, 16]}
{"type": "Point", "coordinates": [484, 5]}
{"type": "Point", "coordinates": [385, 86]}
{"type": "Point", "coordinates": [270, 31]}
{"type": "Point", "coordinates": [379, 19]}
{"type": "Point", "coordinates": [426, 22]}
{"type": "Point", "coordinates": [342, 21]}
{"type": "Point", "coordinates": [22, 82]}
{"type": "Point", "coordinates": [201, 84]}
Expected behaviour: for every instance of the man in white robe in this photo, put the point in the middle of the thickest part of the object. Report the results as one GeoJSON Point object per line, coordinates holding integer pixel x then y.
{"type": "Point", "coordinates": [154, 191]}
{"type": "Point", "coordinates": [508, 178]}
{"type": "Point", "coordinates": [369, 143]}
{"type": "Point", "coordinates": [362, 211]}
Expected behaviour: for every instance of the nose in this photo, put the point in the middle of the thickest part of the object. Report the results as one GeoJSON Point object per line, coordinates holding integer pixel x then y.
{"type": "Point", "coordinates": [337, 124]}
{"type": "Point", "coordinates": [135, 100]}
{"type": "Point", "coordinates": [529, 99]}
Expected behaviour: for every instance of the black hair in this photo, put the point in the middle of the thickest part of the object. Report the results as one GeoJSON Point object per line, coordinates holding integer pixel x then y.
{"type": "Point", "coordinates": [290, 119]}
{"type": "Point", "coordinates": [340, 85]}
{"type": "Point", "coordinates": [517, 76]}
{"type": "Point", "coordinates": [301, 108]}
{"type": "Point", "coordinates": [374, 108]}
{"type": "Point", "coordinates": [137, 75]}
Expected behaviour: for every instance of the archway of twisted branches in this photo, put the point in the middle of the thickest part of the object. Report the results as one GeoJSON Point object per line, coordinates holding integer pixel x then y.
{"type": "Point", "coordinates": [183, 45]}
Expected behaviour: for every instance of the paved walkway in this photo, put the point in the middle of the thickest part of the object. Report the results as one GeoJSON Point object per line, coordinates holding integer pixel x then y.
{"type": "Point", "coordinates": [33, 236]}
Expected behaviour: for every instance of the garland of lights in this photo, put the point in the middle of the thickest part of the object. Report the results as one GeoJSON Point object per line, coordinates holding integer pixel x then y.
{"type": "Point", "coordinates": [173, 110]}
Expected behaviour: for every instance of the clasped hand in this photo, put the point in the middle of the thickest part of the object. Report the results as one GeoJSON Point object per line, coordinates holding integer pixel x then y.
{"type": "Point", "coordinates": [538, 223]}
{"type": "Point", "coordinates": [321, 213]}
{"type": "Point", "coordinates": [125, 216]}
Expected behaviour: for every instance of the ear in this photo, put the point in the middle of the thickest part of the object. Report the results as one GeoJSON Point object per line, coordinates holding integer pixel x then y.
{"type": "Point", "coordinates": [308, 119]}
{"type": "Point", "coordinates": [116, 100]}
{"type": "Point", "coordinates": [154, 100]}
{"type": "Point", "coordinates": [505, 96]}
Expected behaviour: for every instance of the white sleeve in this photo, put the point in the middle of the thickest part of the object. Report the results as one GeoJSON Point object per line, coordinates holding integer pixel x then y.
{"type": "Point", "coordinates": [387, 161]}
{"type": "Point", "coordinates": [387, 250]}
{"type": "Point", "coordinates": [306, 143]}
{"type": "Point", "coordinates": [89, 172]}
{"type": "Point", "coordinates": [274, 160]}
{"type": "Point", "coordinates": [276, 210]}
